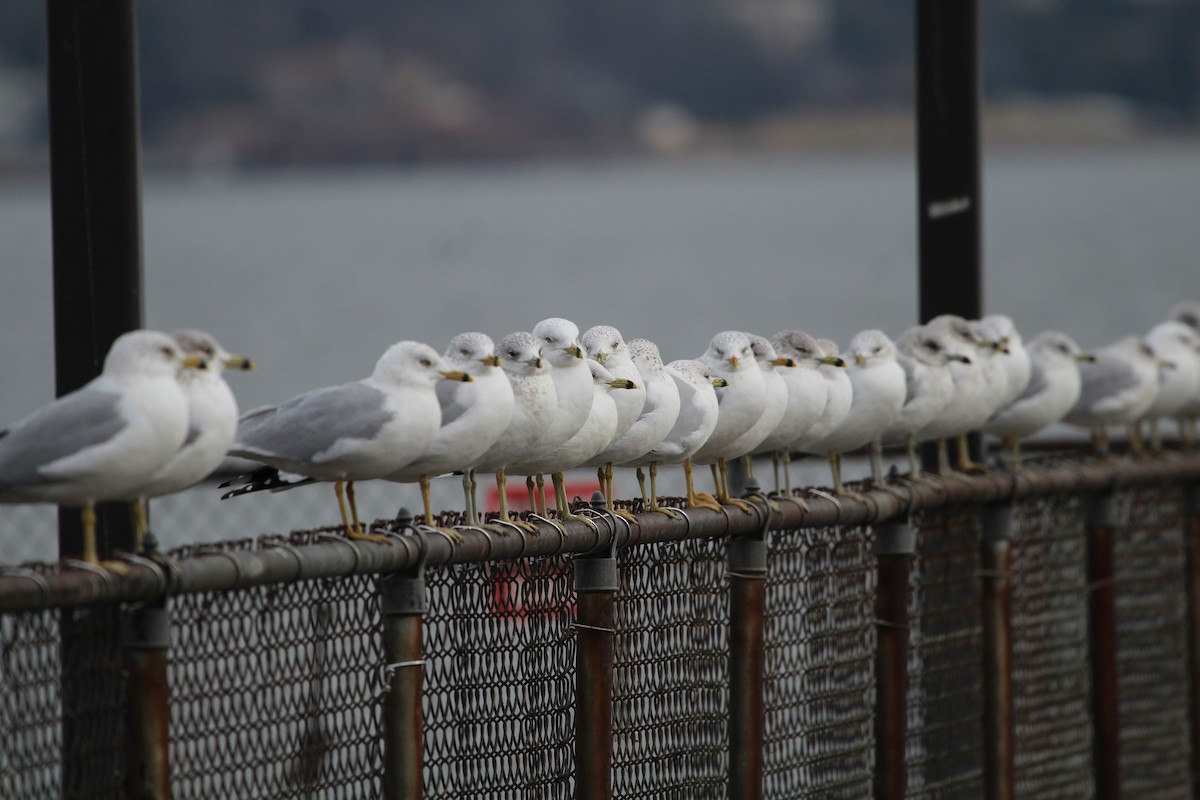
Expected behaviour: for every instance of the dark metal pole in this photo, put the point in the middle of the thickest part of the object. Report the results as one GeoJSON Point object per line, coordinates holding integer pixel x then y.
{"type": "Point", "coordinates": [146, 638]}
{"type": "Point", "coordinates": [404, 604]}
{"type": "Point", "coordinates": [1192, 538]}
{"type": "Point", "coordinates": [747, 569]}
{"type": "Point", "coordinates": [596, 585]}
{"type": "Point", "coordinates": [998, 721]}
{"type": "Point", "coordinates": [95, 205]}
{"type": "Point", "coordinates": [1102, 624]}
{"type": "Point", "coordinates": [949, 227]}
{"type": "Point", "coordinates": [895, 543]}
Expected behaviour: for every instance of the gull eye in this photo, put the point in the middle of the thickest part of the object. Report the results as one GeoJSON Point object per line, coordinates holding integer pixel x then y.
{"type": "Point", "coordinates": [465, 351]}
{"type": "Point", "coordinates": [549, 340]}
{"type": "Point", "coordinates": [615, 345]}
{"type": "Point", "coordinates": [425, 362]}
{"type": "Point", "coordinates": [166, 351]}
{"type": "Point", "coordinates": [932, 345]}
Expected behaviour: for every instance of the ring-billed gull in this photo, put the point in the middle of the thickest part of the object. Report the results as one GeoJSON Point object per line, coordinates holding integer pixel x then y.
{"type": "Point", "coordinates": [1188, 312]}
{"type": "Point", "coordinates": [839, 393]}
{"type": "Point", "coordinates": [212, 422]}
{"type": "Point", "coordinates": [807, 394]}
{"type": "Point", "coordinates": [605, 344]}
{"type": "Point", "coordinates": [775, 394]}
{"type": "Point", "coordinates": [971, 405]}
{"type": "Point", "coordinates": [474, 415]}
{"type": "Point", "coordinates": [659, 412]}
{"type": "Point", "coordinates": [693, 425]}
{"type": "Point", "coordinates": [741, 403]}
{"type": "Point", "coordinates": [590, 439]}
{"type": "Point", "coordinates": [572, 396]}
{"type": "Point", "coordinates": [925, 358]}
{"type": "Point", "coordinates": [106, 438]}
{"type": "Point", "coordinates": [876, 398]}
{"type": "Point", "coordinates": [1116, 389]}
{"type": "Point", "coordinates": [1179, 384]}
{"type": "Point", "coordinates": [1001, 333]}
{"type": "Point", "coordinates": [1051, 392]}
{"type": "Point", "coordinates": [370, 428]}
{"type": "Point", "coordinates": [533, 410]}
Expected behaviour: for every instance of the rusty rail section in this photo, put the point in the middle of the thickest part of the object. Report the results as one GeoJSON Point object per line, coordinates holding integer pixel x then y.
{"type": "Point", "coordinates": [22, 590]}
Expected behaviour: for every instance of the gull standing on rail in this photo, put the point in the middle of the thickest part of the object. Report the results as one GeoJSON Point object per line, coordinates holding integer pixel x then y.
{"type": "Point", "coordinates": [1188, 312]}
{"type": "Point", "coordinates": [775, 392]}
{"type": "Point", "coordinates": [105, 439]}
{"type": "Point", "coordinates": [1051, 392]}
{"type": "Point", "coordinates": [474, 415]}
{"type": "Point", "coordinates": [1117, 389]}
{"type": "Point", "coordinates": [534, 401]}
{"type": "Point", "coordinates": [694, 423]}
{"type": "Point", "coordinates": [604, 344]}
{"type": "Point", "coordinates": [970, 406]}
{"type": "Point", "coordinates": [1178, 346]}
{"type": "Point", "coordinates": [741, 402]}
{"type": "Point", "coordinates": [806, 396]}
{"type": "Point", "coordinates": [212, 422]}
{"type": "Point", "coordinates": [367, 429]}
{"type": "Point", "coordinates": [925, 357]}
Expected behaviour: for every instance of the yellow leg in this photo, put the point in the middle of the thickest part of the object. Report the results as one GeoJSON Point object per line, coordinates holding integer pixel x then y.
{"type": "Point", "coordinates": [529, 488]}
{"type": "Point", "coordinates": [641, 479]}
{"type": "Point", "coordinates": [965, 462]}
{"type": "Point", "coordinates": [354, 529]}
{"type": "Point", "coordinates": [723, 492]}
{"type": "Point", "coordinates": [453, 534]}
{"type": "Point", "coordinates": [748, 465]}
{"type": "Point", "coordinates": [137, 514]}
{"type": "Point", "coordinates": [88, 515]}
{"type": "Point", "coordinates": [697, 500]}
{"type": "Point", "coordinates": [540, 482]}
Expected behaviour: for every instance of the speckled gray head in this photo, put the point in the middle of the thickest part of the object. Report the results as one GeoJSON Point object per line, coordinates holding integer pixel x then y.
{"type": "Point", "coordinates": [871, 347]}
{"type": "Point", "coordinates": [521, 354]}
{"type": "Point", "coordinates": [205, 345]}
{"type": "Point", "coordinates": [1056, 344]}
{"type": "Point", "coordinates": [765, 354]}
{"type": "Point", "coordinates": [731, 350]}
{"type": "Point", "coordinates": [602, 342]}
{"type": "Point", "coordinates": [1187, 312]}
{"type": "Point", "coordinates": [646, 356]}
{"type": "Point", "coordinates": [472, 352]}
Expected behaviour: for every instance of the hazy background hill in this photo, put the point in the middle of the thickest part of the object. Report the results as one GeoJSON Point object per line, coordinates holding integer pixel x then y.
{"type": "Point", "coordinates": [308, 81]}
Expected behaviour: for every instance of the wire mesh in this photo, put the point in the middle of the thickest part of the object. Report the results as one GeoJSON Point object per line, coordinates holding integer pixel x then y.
{"type": "Point", "coordinates": [273, 691]}
{"type": "Point", "coordinates": [671, 676]}
{"type": "Point", "coordinates": [820, 684]}
{"type": "Point", "coordinates": [1050, 675]}
{"type": "Point", "coordinates": [1152, 645]}
{"type": "Point", "coordinates": [945, 743]}
{"type": "Point", "coordinates": [57, 698]}
{"type": "Point", "coordinates": [500, 680]}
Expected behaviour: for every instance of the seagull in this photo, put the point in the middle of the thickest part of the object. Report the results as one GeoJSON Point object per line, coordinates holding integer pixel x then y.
{"type": "Point", "coordinates": [998, 331]}
{"type": "Point", "coordinates": [105, 439]}
{"type": "Point", "coordinates": [590, 439]}
{"type": "Point", "coordinates": [659, 412]}
{"type": "Point", "coordinates": [695, 422]}
{"type": "Point", "coordinates": [775, 392]}
{"type": "Point", "coordinates": [807, 394]}
{"type": "Point", "coordinates": [839, 394]}
{"type": "Point", "coordinates": [1178, 345]}
{"type": "Point", "coordinates": [1188, 312]}
{"type": "Point", "coordinates": [971, 404]}
{"type": "Point", "coordinates": [604, 344]}
{"type": "Point", "coordinates": [876, 399]}
{"type": "Point", "coordinates": [212, 422]}
{"type": "Point", "coordinates": [925, 357]}
{"type": "Point", "coordinates": [367, 429]}
{"type": "Point", "coordinates": [534, 403]}
{"type": "Point", "coordinates": [474, 414]}
{"type": "Point", "coordinates": [742, 401]}
{"type": "Point", "coordinates": [573, 396]}
{"type": "Point", "coordinates": [1117, 388]}
{"type": "Point", "coordinates": [1051, 392]}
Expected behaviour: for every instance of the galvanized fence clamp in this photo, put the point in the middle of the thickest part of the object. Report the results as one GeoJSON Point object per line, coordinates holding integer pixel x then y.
{"type": "Point", "coordinates": [746, 556]}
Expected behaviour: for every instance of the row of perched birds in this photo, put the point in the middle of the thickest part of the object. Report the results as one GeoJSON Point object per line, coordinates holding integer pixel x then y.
{"type": "Point", "coordinates": [161, 417]}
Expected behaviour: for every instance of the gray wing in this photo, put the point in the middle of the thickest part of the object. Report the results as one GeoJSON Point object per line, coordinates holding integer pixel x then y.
{"type": "Point", "coordinates": [1037, 384]}
{"type": "Point", "coordinates": [311, 423]}
{"type": "Point", "coordinates": [64, 427]}
{"type": "Point", "coordinates": [449, 399]}
{"type": "Point", "coordinates": [1104, 381]}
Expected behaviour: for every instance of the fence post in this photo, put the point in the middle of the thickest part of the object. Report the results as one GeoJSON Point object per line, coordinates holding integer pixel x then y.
{"type": "Point", "coordinates": [596, 585]}
{"type": "Point", "coordinates": [998, 733]}
{"type": "Point", "coordinates": [1192, 541]}
{"type": "Point", "coordinates": [895, 544]}
{"type": "Point", "coordinates": [1102, 630]}
{"type": "Point", "coordinates": [404, 605]}
{"type": "Point", "coordinates": [746, 562]}
{"type": "Point", "coordinates": [146, 636]}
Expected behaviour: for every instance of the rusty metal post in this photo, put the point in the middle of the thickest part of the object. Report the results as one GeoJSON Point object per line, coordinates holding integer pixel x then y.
{"type": "Point", "coordinates": [1102, 630]}
{"type": "Point", "coordinates": [1192, 539]}
{"type": "Point", "coordinates": [895, 543]}
{"type": "Point", "coordinates": [596, 585]}
{"type": "Point", "coordinates": [747, 569]}
{"type": "Point", "coordinates": [146, 636]}
{"type": "Point", "coordinates": [404, 604]}
{"type": "Point", "coordinates": [998, 721]}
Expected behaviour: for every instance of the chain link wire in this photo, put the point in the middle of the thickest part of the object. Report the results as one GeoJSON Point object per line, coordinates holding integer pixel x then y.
{"type": "Point", "coordinates": [1050, 673]}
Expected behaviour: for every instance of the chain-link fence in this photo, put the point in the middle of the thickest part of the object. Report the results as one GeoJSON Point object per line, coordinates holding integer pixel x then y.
{"type": "Point", "coordinates": [276, 670]}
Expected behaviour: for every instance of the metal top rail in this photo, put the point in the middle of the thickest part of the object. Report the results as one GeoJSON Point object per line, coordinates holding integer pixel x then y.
{"type": "Point", "coordinates": [277, 560]}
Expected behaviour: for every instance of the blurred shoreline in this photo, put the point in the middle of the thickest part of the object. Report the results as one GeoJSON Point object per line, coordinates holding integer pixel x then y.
{"type": "Point", "coordinates": [248, 142]}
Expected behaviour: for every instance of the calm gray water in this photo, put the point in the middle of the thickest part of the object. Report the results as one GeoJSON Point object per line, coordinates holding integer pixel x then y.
{"type": "Point", "coordinates": [314, 274]}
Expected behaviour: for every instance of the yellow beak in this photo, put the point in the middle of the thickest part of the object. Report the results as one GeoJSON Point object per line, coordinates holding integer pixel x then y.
{"type": "Point", "coordinates": [601, 357]}
{"type": "Point", "coordinates": [622, 384]}
{"type": "Point", "coordinates": [720, 383]}
{"type": "Point", "coordinates": [194, 361]}
{"type": "Point", "coordinates": [239, 362]}
{"type": "Point", "coordinates": [833, 361]}
{"type": "Point", "coordinates": [491, 361]}
{"type": "Point", "coordinates": [575, 350]}
{"type": "Point", "coordinates": [457, 375]}
{"type": "Point", "coordinates": [783, 361]}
